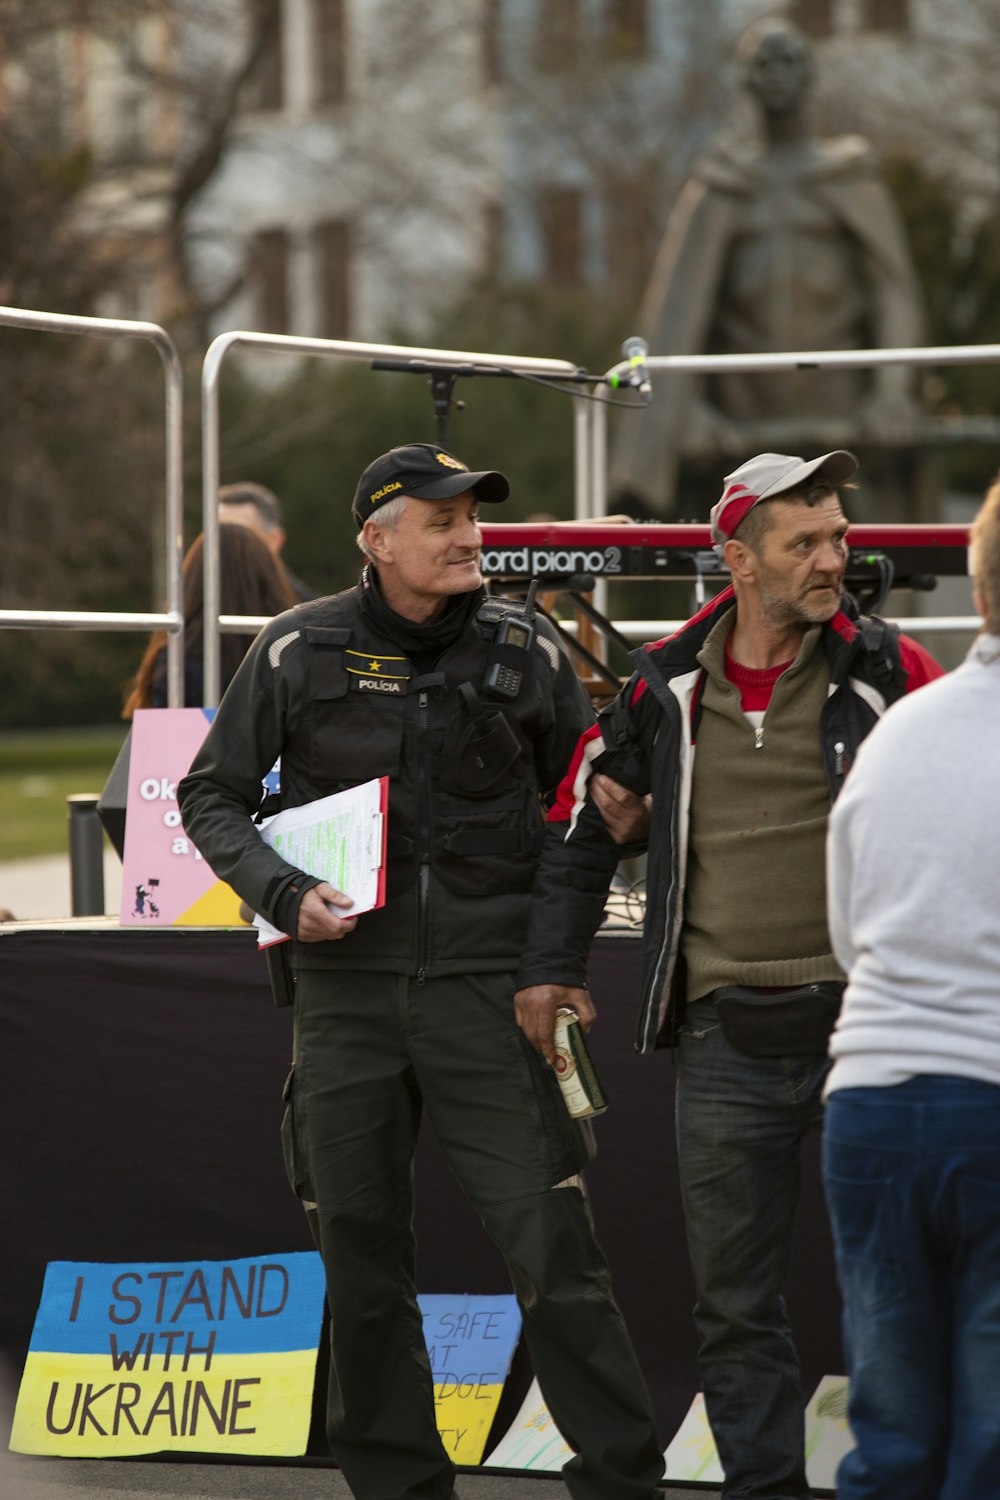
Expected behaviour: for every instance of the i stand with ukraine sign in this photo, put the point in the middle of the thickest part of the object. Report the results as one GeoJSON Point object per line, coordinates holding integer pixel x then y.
{"type": "Point", "coordinates": [210, 1357]}
{"type": "Point", "coordinates": [220, 1357]}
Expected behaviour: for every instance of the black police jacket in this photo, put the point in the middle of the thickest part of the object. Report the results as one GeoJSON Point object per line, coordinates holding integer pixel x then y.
{"type": "Point", "coordinates": [327, 688]}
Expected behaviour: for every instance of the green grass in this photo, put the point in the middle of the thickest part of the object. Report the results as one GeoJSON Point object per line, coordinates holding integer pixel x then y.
{"type": "Point", "coordinates": [39, 769]}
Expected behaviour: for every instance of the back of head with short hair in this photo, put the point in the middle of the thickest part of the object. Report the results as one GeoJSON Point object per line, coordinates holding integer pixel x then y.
{"type": "Point", "coordinates": [984, 542]}
{"type": "Point", "coordinates": [264, 501]}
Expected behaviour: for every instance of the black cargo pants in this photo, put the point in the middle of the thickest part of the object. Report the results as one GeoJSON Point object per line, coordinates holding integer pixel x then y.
{"type": "Point", "coordinates": [373, 1050]}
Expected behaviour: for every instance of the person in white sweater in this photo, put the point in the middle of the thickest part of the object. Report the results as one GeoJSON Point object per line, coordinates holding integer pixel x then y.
{"type": "Point", "coordinates": [911, 1149]}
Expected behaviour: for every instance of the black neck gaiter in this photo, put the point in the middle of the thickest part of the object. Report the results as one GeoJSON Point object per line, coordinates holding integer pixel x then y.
{"type": "Point", "coordinates": [423, 642]}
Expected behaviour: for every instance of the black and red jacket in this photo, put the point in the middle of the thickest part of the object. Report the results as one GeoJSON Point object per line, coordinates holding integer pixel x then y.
{"type": "Point", "coordinates": [645, 740]}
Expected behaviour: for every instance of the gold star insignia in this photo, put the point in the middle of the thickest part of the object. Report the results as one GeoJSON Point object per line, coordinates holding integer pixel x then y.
{"type": "Point", "coordinates": [375, 666]}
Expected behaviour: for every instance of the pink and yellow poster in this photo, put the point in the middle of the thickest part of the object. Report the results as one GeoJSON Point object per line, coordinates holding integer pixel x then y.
{"type": "Point", "coordinates": [165, 881]}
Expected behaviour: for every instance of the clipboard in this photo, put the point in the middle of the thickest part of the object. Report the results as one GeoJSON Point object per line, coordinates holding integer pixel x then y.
{"type": "Point", "coordinates": [340, 839]}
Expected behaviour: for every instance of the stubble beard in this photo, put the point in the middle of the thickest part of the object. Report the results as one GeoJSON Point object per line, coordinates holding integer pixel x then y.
{"type": "Point", "coordinates": [802, 611]}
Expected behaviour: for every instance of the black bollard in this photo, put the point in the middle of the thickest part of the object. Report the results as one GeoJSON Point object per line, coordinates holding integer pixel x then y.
{"type": "Point", "coordinates": [86, 856]}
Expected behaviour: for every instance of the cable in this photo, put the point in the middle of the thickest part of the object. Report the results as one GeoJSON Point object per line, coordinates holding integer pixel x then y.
{"type": "Point", "coordinates": [586, 395]}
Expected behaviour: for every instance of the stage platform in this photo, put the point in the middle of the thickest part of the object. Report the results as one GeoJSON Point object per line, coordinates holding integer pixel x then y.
{"type": "Point", "coordinates": [142, 1075]}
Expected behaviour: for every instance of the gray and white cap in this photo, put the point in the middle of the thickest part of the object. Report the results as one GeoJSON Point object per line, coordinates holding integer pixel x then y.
{"type": "Point", "coordinates": [772, 474]}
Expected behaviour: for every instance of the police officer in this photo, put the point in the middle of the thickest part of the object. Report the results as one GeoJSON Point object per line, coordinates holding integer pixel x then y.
{"type": "Point", "coordinates": [469, 707]}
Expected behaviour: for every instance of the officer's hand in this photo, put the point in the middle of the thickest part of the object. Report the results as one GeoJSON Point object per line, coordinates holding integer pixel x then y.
{"type": "Point", "coordinates": [536, 1008]}
{"type": "Point", "coordinates": [626, 815]}
{"type": "Point", "coordinates": [317, 923]}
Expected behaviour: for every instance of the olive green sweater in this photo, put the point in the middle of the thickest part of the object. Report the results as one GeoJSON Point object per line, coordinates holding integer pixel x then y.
{"type": "Point", "coordinates": [755, 901]}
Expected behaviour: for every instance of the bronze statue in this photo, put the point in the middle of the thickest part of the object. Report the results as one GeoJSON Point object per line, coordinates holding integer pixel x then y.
{"type": "Point", "coordinates": [792, 242]}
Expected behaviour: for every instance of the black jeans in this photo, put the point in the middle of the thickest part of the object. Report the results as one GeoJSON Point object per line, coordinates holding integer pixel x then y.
{"type": "Point", "coordinates": [373, 1051]}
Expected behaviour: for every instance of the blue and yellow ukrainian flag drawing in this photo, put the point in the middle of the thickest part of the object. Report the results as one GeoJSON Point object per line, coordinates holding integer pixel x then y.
{"type": "Point", "coordinates": [471, 1342]}
{"type": "Point", "coordinates": [207, 1357]}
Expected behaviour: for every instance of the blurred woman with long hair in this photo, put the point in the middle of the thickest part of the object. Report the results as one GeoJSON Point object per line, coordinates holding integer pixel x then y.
{"type": "Point", "coordinates": [251, 582]}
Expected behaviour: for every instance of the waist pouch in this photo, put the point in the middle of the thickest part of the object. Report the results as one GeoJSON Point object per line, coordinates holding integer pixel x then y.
{"type": "Point", "coordinates": [789, 1023]}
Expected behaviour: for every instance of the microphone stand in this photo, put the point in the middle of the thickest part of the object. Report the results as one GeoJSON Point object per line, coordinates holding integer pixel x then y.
{"type": "Point", "coordinates": [443, 378]}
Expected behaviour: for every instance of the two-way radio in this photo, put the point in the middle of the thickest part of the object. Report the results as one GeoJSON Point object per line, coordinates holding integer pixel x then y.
{"type": "Point", "coordinates": [512, 649]}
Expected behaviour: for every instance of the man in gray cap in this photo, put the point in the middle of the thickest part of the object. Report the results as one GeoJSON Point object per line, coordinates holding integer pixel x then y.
{"type": "Point", "coordinates": [778, 680]}
{"type": "Point", "coordinates": [471, 710]}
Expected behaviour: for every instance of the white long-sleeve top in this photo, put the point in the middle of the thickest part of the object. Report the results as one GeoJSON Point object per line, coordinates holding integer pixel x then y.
{"type": "Point", "coordinates": [913, 886]}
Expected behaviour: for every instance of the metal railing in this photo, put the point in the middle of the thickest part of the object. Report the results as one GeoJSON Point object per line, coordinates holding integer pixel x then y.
{"type": "Point", "coordinates": [732, 364]}
{"type": "Point", "coordinates": [589, 436]}
{"type": "Point", "coordinates": [590, 431]}
{"type": "Point", "coordinates": [624, 373]}
{"type": "Point", "coordinates": [590, 472]}
{"type": "Point", "coordinates": [172, 621]}
{"type": "Point", "coordinates": [641, 631]}
{"type": "Point", "coordinates": [402, 357]}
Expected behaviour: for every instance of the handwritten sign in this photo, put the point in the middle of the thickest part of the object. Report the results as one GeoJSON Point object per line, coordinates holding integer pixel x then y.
{"type": "Point", "coordinates": [691, 1453]}
{"type": "Point", "coordinates": [471, 1342]}
{"type": "Point", "coordinates": [165, 881]}
{"type": "Point", "coordinates": [692, 1458]}
{"type": "Point", "coordinates": [828, 1437]}
{"type": "Point", "coordinates": [533, 1440]}
{"type": "Point", "coordinates": [209, 1357]}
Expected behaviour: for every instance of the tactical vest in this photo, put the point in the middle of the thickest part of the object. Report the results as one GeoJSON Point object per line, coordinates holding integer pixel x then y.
{"type": "Point", "coordinates": [463, 792]}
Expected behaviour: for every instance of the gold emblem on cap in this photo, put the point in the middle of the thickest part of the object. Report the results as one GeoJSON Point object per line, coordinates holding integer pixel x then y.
{"type": "Point", "coordinates": [451, 463]}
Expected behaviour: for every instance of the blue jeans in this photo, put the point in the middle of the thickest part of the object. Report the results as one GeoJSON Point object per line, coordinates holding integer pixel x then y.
{"type": "Point", "coordinates": [740, 1123]}
{"type": "Point", "coordinates": [912, 1179]}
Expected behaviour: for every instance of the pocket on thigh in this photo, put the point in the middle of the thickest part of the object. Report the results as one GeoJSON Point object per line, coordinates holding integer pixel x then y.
{"type": "Point", "coordinates": [293, 1146]}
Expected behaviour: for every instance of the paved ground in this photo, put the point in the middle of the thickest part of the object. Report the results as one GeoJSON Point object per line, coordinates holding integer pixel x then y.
{"type": "Point", "coordinates": [39, 889]}
{"type": "Point", "coordinates": [71, 1479]}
